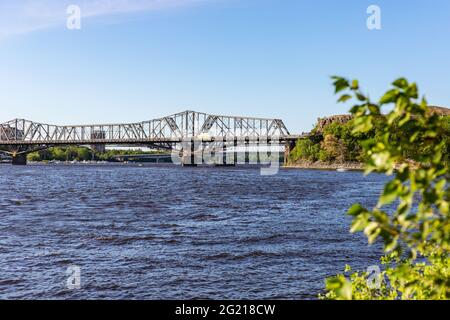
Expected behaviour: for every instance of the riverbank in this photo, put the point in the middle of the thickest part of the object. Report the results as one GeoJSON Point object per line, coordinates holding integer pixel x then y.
{"type": "Point", "coordinates": [320, 165]}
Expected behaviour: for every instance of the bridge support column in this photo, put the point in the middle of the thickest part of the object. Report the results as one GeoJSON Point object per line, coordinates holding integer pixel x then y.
{"type": "Point", "coordinates": [19, 159]}
{"type": "Point", "coordinates": [224, 154]}
{"type": "Point", "coordinates": [188, 159]}
{"type": "Point", "coordinates": [247, 151]}
{"type": "Point", "coordinates": [258, 153]}
{"type": "Point", "coordinates": [235, 154]}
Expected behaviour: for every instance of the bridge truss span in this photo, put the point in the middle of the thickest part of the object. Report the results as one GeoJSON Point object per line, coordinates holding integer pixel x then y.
{"type": "Point", "coordinates": [178, 127]}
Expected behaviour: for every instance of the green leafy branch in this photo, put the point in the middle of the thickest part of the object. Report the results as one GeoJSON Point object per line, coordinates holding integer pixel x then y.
{"type": "Point", "coordinates": [419, 226]}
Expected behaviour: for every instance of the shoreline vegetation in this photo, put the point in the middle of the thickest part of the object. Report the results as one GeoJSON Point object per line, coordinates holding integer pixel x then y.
{"type": "Point", "coordinates": [82, 154]}
{"type": "Point", "coordinates": [334, 144]}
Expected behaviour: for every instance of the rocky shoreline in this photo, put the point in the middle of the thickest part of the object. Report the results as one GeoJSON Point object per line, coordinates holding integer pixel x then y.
{"type": "Point", "coordinates": [319, 165]}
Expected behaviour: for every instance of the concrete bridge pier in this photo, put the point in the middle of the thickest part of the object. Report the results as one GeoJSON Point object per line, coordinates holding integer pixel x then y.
{"type": "Point", "coordinates": [224, 155]}
{"type": "Point", "coordinates": [188, 156]}
{"type": "Point", "coordinates": [19, 159]}
{"type": "Point", "coordinates": [246, 151]}
{"type": "Point", "coordinates": [235, 153]}
{"type": "Point", "coordinates": [258, 153]}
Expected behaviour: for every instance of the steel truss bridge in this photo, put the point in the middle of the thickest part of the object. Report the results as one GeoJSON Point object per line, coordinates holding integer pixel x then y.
{"type": "Point", "coordinates": [20, 137]}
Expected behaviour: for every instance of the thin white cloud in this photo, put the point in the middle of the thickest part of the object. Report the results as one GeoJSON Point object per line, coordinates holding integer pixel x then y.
{"type": "Point", "coordinates": [25, 16]}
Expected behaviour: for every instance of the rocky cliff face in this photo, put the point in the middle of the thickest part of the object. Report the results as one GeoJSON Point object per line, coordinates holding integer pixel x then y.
{"type": "Point", "coordinates": [323, 122]}
{"type": "Point", "coordinates": [440, 110]}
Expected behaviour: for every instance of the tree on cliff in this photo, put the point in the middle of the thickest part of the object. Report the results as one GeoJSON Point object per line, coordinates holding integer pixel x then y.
{"type": "Point", "coordinates": [416, 235]}
{"type": "Point", "coordinates": [334, 148]}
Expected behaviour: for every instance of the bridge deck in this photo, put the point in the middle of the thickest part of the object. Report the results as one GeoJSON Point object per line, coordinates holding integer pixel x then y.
{"type": "Point", "coordinates": [150, 141]}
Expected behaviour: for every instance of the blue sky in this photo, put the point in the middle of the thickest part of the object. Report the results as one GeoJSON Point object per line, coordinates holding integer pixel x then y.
{"type": "Point", "coordinates": [135, 60]}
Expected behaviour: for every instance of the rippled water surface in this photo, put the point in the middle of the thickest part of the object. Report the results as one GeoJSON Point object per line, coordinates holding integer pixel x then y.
{"type": "Point", "coordinates": [177, 233]}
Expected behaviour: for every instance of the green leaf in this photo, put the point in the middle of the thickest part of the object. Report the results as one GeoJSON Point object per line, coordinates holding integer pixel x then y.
{"type": "Point", "coordinates": [363, 124]}
{"type": "Point", "coordinates": [340, 286]}
{"type": "Point", "coordinates": [356, 209]}
{"type": "Point", "coordinates": [360, 222]}
{"type": "Point", "coordinates": [437, 158]}
{"type": "Point", "coordinates": [413, 91]}
{"type": "Point", "coordinates": [361, 97]}
{"type": "Point", "coordinates": [345, 98]}
{"type": "Point", "coordinates": [357, 109]}
{"type": "Point", "coordinates": [345, 292]}
{"type": "Point", "coordinates": [334, 283]}
{"type": "Point", "coordinates": [443, 207]}
{"type": "Point", "coordinates": [372, 231]}
{"type": "Point", "coordinates": [391, 245]}
{"type": "Point", "coordinates": [404, 120]}
{"type": "Point", "coordinates": [390, 96]}
{"type": "Point", "coordinates": [374, 109]}
{"type": "Point", "coordinates": [401, 83]}
{"type": "Point", "coordinates": [340, 84]}
{"type": "Point", "coordinates": [374, 235]}
{"type": "Point", "coordinates": [382, 159]}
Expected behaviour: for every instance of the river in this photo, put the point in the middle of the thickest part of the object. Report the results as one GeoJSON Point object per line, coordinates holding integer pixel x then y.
{"type": "Point", "coordinates": [166, 232]}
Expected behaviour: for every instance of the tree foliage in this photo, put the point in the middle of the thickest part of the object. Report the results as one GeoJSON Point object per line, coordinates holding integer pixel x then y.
{"type": "Point", "coordinates": [334, 148]}
{"type": "Point", "coordinates": [62, 154]}
{"type": "Point", "coordinates": [305, 149]}
{"type": "Point", "coordinates": [410, 145]}
{"type": "Point", "coordinates": [336, 143]}
{"type": "Point", "coordinates": [80, 154]}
